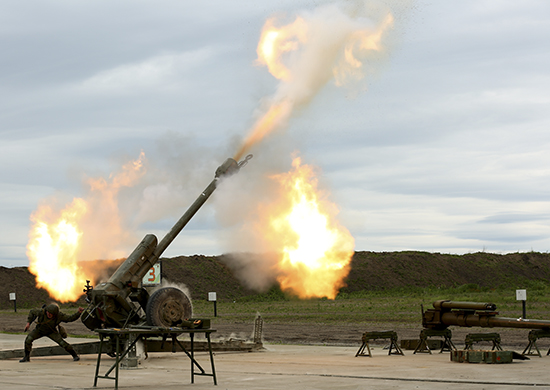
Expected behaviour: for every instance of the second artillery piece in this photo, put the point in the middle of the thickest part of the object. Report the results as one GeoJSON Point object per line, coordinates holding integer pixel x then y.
{"type": "Point", "coordinates": [446, 313]}
{"type": "Point", "coordinates": [121, 300]}
{"type": "Point", "coordinates": [467, 314]}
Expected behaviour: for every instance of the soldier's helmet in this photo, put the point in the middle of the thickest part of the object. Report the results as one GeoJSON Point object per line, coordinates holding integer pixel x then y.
{"type": "Point", "coordinates": [53, 309]}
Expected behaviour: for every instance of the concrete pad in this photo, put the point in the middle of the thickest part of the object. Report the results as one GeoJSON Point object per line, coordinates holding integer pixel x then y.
{"type": "Point", "coordinates": [278, 367]}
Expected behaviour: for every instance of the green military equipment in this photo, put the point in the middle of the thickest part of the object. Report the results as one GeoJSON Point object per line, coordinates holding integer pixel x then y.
{"type": "Point", "coordinates": [447, 313]}
{"type": "Point", "coordinates": [489, 357]}
{"type": "Point", "coordinates": [534, 335]}
{"type": "Point", "coordinates": [472, 338]}
{"type": "Point", "coordinates": [116, 303]}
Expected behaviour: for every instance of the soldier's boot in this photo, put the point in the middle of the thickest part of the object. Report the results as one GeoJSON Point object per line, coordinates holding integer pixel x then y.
{"type": "Point", "coordinates": [73, 353]}
{"type": "Point", "coordinates": [26, 358]}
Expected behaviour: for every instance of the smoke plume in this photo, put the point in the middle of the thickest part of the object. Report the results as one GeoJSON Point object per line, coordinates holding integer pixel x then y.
{"type": "Point", "coordinates": [331, 43]}
{"type": "Point", "coordinates": [339, 43]}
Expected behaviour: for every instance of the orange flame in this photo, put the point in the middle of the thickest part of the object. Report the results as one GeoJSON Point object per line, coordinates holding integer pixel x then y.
{"type": "Point", "coordinates": [57, 239]}
{"type": "Point", "coordinates": [53, 249]}
{"type": "Point", "coordinates": [275, 42]}
{"type": "Point", "coordinates": [274, 117]}
{"type": "Point", "coordinates": [316, 250]}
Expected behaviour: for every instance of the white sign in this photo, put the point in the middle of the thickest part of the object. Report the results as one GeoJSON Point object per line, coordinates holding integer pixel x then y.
{"type": "Point", "coordinates": [521, 295]}
{"type": "Point", "coordinates": [153, 276]}
{"type": "Point", "coordinates": [12, 296]}
{"type": "Point", "coordinates": [212, 296]}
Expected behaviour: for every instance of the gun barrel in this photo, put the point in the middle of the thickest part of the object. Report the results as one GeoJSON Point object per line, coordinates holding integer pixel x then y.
{"type": "Point", "coordinates": [108, 301]}
{"type": "Point", "coordinates": [229, 167]}
{"type": "Point", "coordinates": [468, 320]}
{"type": "Point", "coordinates": [448, 305]}
{"type": "Point", "coordinates": [447, 313]}
{"type": "Point", "coordinates": [136, 266]}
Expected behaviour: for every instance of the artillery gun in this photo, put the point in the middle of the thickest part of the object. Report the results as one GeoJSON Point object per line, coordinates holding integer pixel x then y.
{"type": "Point", "coordinates": [118, 302]}
{"type": "Point", "coordinates": [446, 313]}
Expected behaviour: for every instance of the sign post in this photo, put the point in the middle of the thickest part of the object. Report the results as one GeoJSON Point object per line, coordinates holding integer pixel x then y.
{"type": "Point", "coordinates": [152, 278]}
{"type": "Point", "coordinates": [521, 295]}
{"type": "Point", "coordinates": [12, 298]}
{"type": "Point", "coordinates": [212, 298]}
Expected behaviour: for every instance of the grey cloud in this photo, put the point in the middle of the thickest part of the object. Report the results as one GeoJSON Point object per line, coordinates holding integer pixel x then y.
{"type": "Point", "coordinates": [514, 218]}
{"type": "Point", "coordinates": [445, 150]}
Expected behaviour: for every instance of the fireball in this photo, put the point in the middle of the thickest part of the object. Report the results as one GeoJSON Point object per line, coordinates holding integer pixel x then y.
{"type": "Point", "coordinates": [53, 249]}
{"type": "Point", "coordinates": [315, 250]}
{"type": "Point", "coordinates": [57, 239]}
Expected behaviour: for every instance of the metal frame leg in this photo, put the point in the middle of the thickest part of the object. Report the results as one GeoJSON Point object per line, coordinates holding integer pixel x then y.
{"type": "Point", "coordinates": [117, 363]}
{"type": "Point", "coordinates": [192, 336]}
{"type": "Point", "coordinates": [119, 356]}
{"type": "Point", "coordinates": [211, 359]}
{"type": "Point", "coordinates": [191, 355]}
{"type": "Point", "coordinates": [98, 359]}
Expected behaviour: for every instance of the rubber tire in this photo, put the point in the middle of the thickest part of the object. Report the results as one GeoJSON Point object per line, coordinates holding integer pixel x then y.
{"type": "Point", "coordinates": [167, 307]}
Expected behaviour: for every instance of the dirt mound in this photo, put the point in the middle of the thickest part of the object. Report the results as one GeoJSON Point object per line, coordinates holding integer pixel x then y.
{"type": "Point", "coordinates": [369, 271]}
{"type": "Point", "coordinates": [387, 270]}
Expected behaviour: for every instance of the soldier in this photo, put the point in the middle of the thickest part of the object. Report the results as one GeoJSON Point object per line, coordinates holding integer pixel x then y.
{"type": "Point", "coordinates": [48, 319]}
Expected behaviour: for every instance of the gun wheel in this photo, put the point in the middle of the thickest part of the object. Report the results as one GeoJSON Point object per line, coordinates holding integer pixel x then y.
{"type": "Point", "coordinates": [168, 307]}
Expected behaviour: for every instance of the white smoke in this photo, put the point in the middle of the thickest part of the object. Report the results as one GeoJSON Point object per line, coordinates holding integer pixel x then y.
{"type": "Point", "coordinates": [311, 65]}
{"type": "Point", "coordinates": [175, 171]}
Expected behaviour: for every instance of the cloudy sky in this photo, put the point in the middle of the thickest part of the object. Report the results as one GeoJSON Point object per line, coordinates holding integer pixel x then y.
{"type": "Point", "coordinates": [443, 149]}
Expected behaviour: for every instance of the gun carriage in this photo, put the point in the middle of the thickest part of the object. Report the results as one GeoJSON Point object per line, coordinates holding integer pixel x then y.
{"type": "Point", "coordinates": [122, 301]}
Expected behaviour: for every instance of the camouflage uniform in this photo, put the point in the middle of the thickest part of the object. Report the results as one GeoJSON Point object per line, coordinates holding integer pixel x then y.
{"type": "Point", "coordinates": [49, 327]}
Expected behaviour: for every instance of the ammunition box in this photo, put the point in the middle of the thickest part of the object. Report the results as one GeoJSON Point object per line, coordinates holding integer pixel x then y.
{"type": "Point", "coordinates": [205, 323]}
{"type": "Point", "coordinates": [488, 357]}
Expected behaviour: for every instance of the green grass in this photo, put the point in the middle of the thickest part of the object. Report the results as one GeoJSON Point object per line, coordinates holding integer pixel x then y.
{"type": "Point", "coordinates": [366, 307]}
{"type": "Point", "coordinates": [399, 305]}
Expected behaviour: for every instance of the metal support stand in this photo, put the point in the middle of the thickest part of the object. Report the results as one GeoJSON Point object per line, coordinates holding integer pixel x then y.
{"type": "Point", "coordinates": [121, 335]}
{"type": "Point", "coordinates": [368, 336]}
{"type": "Point", "coordinates": [131, 360]}
{"type": "Point", "coordinates": [472, 338]}
{"type": "Point", "coordinates": [534, 335]}
{"type": "Point", "coordinates": [425, 333]}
